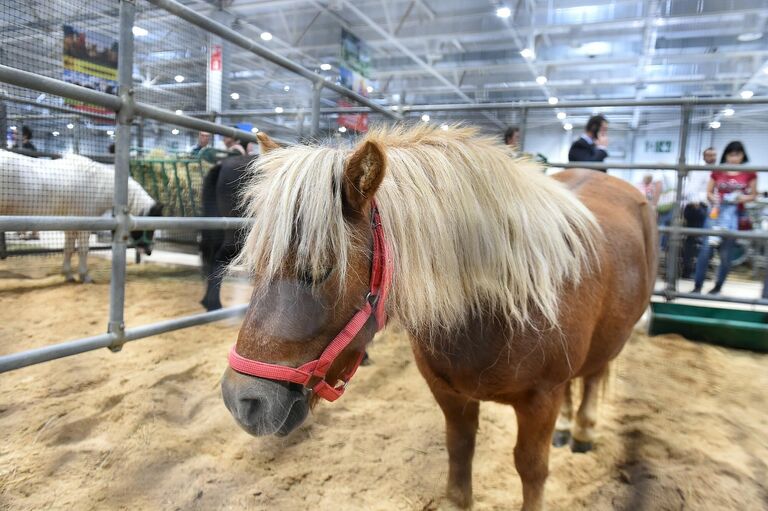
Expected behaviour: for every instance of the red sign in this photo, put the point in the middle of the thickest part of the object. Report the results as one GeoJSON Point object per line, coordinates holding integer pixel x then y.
{"type": "Point", "coordinates": [216, 57]}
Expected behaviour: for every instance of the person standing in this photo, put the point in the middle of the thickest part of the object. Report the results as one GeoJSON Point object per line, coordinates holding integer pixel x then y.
{"type": "Point", "coordinates": [726, 192]}
{"type": "Point", "coordinates": [592, 145]}
{"type": "Point", "coordinates": [512, 137]}
{"type": "Point", "coordinates": [203, 141]}
{"type": "Point", "coordinates": [26, 139]}
{"type": "Point", "coordinates": [695, 211]}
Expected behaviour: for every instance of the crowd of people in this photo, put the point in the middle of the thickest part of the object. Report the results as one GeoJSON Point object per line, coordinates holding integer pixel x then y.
{"type": "Point", "coordinates": [720, 204]}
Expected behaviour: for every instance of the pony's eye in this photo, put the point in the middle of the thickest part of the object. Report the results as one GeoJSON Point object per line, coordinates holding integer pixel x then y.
{"type": "Point", "coordinates": [306, 278]}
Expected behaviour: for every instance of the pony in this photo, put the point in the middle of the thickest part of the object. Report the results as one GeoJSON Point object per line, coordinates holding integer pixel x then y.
{"type": "Point", "coordinates": [222, 186]}
{"type": "Point", "coordinates": [71, 186]}
{"type": "Point", "coordinates": [509, 283]}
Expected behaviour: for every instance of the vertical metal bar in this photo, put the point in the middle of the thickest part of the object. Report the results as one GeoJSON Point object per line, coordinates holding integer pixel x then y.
{"type": "Point", "coordinates": [675, 238]}
{"type": "Point", "coordinates": [522, 127]}
{"type": "Point", "coordinates": [76, 135]}
{"type": "Point", "coordinates": [122, 150]}
{"type": "Point", "coordinates": [140, 137]}
{"type": "Point", "coordinates": [317, 89]}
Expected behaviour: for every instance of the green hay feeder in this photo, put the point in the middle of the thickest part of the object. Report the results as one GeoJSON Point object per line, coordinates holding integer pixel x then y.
{"type": "Point", "coordinates": [724, 327]}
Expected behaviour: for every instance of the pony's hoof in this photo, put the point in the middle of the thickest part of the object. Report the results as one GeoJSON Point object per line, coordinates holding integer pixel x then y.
{"type": "Point", "coordinates": [210, 306]}
{"type": "Point", "coordinates": [462, 499]}
{"type": "Point", "coordinates": [86, 279]}
{"type": "Point", "coordinates": [69, 278]}
{"type": "Point", "coordinates": [580, 447]}
{"type": "Point", "coordinates": [561, 438]}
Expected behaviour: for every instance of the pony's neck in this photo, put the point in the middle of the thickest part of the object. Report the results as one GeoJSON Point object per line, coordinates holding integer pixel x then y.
{"type": "Point", "coordinates": [139, 201]}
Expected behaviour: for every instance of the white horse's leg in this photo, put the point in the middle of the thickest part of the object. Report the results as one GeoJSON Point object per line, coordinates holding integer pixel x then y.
{"type": "Point", "coordinates": [563, 425]}
{"type": "Point", "coordinates": [82, 252]}
{"type": "Point", "coordinates": [586, 417]}
{"type": "Point", "coordinates": [69, 248]}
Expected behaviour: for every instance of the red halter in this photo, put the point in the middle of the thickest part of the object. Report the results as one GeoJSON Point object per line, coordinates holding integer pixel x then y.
{"type": "Point", "coordinates": [374, 305]}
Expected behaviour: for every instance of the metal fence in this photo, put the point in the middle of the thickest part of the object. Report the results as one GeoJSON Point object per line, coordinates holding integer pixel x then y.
{"type": "Point", "coordinates": [128, 110]}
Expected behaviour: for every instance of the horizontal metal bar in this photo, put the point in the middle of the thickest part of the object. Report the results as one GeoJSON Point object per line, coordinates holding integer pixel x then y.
{"type": "Point", "coordinates": [748, 235]}
{"type": "Point", "coordinates": [99, 223]}
{"type": "Point", "coordinates": [66, 349]}
{"type": "Point", "coordinates": [74, 112]}
{"type": "Point", "coordinates": [162, 115]}
{"type": "Point", "coordinates": [57, 223]}
{"type": "Point", "coordinates": [230, 35]}
{"type": "Point", "coordinates": [603, 103]}
{"type": "Point", "coordinates": [58, 87]}
{"type": "Point", "coordinates": [286, 111]}
{"type": "Point", "coordinates": [144, 223]}
{"type": "Point", "coordinates": [652, 166]}
{"type": "Point", "coordinates": [710, 298]}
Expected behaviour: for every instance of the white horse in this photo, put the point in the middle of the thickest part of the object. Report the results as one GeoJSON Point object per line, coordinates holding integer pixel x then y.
{"type": "Point", "coordinates": [70, 186]}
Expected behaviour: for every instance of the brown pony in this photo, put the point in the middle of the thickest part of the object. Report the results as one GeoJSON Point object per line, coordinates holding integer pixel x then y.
{"type": "Point", "coordinates": [509, 283]}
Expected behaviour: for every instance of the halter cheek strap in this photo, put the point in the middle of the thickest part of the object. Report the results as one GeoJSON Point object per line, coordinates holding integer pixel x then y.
{"type": "Point", "coordinates": [316, 370]}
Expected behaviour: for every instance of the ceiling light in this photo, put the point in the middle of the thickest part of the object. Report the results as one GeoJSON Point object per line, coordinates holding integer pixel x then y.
{"type": "Point", "coordinates": [527, 53]}
{"type": "Point", "coordinates": [395, 97]}
{"type": "Point", "coordinates": [175, 131]}
{"type": "Point", "coordinates": [553, 100]}
{"type": "Point", "coordinates": [444, 127]}
{"type": "Point", "coordinates": [728, 112]}
{"type": "Point", "coordinates": [658, 22]}
{"type": "Point", "coordinates": [70, 126]}
{"type": "Point", "coordinates": [425, 117]}
{"type": "Point", "coordinates": [748, 37]}
{"type": "Point", "coordinates": [139, 32]}
{"type": "Point", "coordinates": [567, 126]}
{"type": "Point", "coordinates": [765, 71]}
{"type": "Point", "coordinates": [287, 88]}
{"type": "Point", "coordinates": [541, 80]}
{"type": "Point", "coordinates": [235, 96]}
{"type": "Point", "coordinates": [12, 128]}
{"type": "Point", "coordinates": [55, 133]}
{"type": "Point", "coordinates": [254, 130]}
{"type": "Point", "coordinates": [110, 132]}
{"type": "Point", "coordinates": [278, 109]}
{"type": "Point", "coordinates": [503, 12]}
{"type": "Point", "coordinates": [342, 129]}
{"type": "Point", "coordinates": [178, 78]}
{"type": "Point", "coordinates": [394, 107]}
{"type": "Point", "coordinates": [179, 112]}
{"type": "Point", "coordinates": [325, 67]}
{"type": "Point", "coordinates": [561, 115]}
{"type": "Point", "coordinates": [266, 36]}
{"type": "Point", "coordinates": [369, 89]}
{"type": "Point", "coordinates": [746, 94]}
{"type": "Point", "coordinates": [714, 125]}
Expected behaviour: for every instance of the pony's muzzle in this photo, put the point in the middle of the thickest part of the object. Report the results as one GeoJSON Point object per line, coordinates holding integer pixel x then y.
{"type": "Point", "coordinates": [263, 407]}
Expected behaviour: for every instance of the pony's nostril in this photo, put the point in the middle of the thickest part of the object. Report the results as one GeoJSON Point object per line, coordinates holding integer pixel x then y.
{"type": "Point", "coordinates": [249, 411]}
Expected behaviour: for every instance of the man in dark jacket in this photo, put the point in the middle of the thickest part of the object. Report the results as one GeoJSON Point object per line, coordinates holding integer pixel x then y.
{"type": "Point", "coordinates": [592, 144]}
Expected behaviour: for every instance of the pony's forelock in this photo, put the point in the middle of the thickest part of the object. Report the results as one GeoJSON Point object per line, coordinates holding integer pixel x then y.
{"type": "Point", "coordinates": [469, 228]}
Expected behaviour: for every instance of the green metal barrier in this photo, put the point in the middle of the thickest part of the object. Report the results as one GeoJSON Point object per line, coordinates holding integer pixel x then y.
{"type": "Point", "coordinates": [724, 327]}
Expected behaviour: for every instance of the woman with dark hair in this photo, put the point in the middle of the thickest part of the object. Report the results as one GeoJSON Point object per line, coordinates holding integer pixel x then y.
{"type": "Point", "coordinates": [727, 192]}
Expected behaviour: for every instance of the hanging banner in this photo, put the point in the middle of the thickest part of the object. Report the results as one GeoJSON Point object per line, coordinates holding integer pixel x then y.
{"type": "Point", "coordinates": [90, 60]}
{"type": "Point", "coordinates": [354, 74]}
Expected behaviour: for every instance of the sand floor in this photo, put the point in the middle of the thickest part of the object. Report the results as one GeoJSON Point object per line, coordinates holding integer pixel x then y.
{"type": "Point", "coordinates": [684, 425]}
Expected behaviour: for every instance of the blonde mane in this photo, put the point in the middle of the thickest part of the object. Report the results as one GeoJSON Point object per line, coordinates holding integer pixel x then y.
{"type": "Point", "coordinates": [469, 228]}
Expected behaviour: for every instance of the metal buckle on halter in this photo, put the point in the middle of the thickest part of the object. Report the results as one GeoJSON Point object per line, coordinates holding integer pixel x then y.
{"type": "Point", "coordinates": [372, 299]}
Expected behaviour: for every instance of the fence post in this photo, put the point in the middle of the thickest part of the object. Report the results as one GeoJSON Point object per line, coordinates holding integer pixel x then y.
{"type": "Point", "coordinates": [317, 89]}
{"type": "Point", "coordinates": [122, 154]}
{"type": "Point", "coordinates": [675, 238]}
{"type": "Point", "coordinates": [522, 128]}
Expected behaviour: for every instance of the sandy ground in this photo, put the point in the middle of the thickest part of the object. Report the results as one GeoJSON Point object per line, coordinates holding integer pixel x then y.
{"type": "Point", "coordinates": [684, 426]}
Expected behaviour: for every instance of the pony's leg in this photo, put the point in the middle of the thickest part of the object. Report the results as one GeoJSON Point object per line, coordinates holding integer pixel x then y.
{"type": "Point", "coordinates": [536, 416]}
{"type": "Point", "coordinates": [586, 417]}
{"type": "Point", "coordinates": [461, 419]}
{"type": "Point", "coordinates": [82, 253]}
{"type": "Point", "coordinates": [69, 249]}
{"type": "Point", "coordinates": [563, 425]}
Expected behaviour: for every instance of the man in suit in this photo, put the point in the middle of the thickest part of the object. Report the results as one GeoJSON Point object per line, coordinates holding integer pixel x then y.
{"type": "Point", "coordinates": [592, 144]}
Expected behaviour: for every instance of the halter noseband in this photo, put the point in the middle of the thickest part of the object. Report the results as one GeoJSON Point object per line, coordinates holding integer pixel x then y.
{"type": "Point", "coordinates": [318, 368]}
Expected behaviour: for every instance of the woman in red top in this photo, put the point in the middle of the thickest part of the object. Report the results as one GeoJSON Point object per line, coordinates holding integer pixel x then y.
{"type": "Point", "coordinates": [727, 192]}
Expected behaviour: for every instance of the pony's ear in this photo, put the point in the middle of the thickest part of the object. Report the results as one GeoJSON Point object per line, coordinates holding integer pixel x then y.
{"type": "Point", "coordinates": [266, 144]}
{"type": "Point", "coordinates": [363, 175]}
